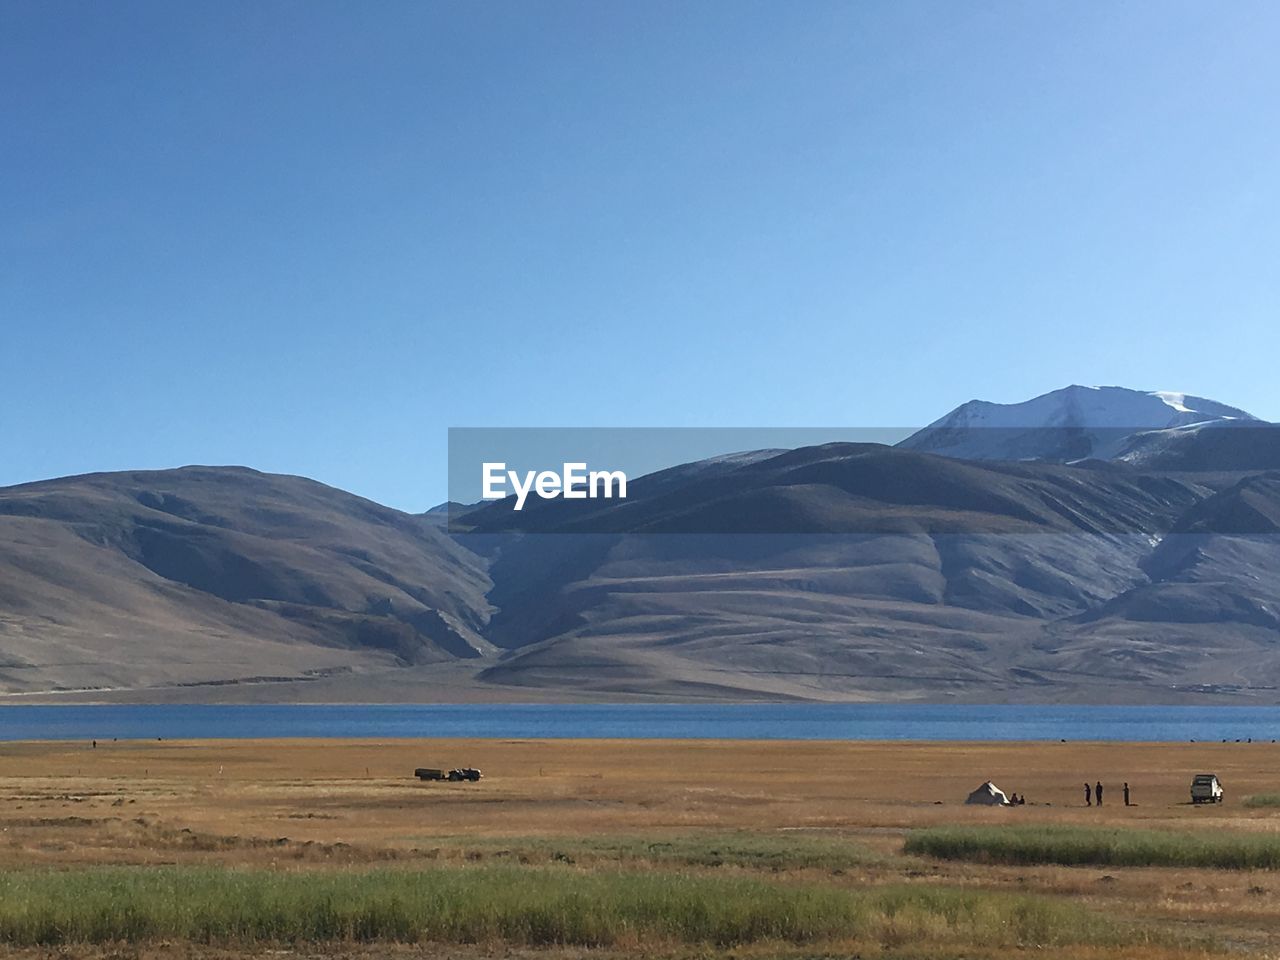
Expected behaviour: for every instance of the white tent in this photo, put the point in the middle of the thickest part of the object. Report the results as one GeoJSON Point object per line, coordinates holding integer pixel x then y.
{"type": "Point", "coordinates": [988, 794]}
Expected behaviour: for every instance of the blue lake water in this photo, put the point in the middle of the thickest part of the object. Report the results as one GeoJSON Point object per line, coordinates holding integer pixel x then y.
{"type": "Point", "coordinates": [732, 722]}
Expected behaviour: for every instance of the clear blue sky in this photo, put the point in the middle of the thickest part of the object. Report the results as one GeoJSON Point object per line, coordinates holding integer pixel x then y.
{"type": "Point", "coordinates": [309, 237]}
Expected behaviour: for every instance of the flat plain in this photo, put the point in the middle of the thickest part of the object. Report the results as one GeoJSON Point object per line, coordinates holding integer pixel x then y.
{"type": "Point", "coordinates": [817, 815]}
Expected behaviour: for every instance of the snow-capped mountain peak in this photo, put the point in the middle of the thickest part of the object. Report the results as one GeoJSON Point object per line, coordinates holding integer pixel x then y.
{"type": "Point", "coordinates": [1073, 423]}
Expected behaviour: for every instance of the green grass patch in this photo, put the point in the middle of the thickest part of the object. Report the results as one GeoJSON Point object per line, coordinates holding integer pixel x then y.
{"type": "Point", "coordinates": [1263, 800]}
{"type": "Point", "coordinates": [1119, 847]}
{"type": "Point", "coordinates": [513, 905]}
{"type": "Point", "coordinates": [770, 852]}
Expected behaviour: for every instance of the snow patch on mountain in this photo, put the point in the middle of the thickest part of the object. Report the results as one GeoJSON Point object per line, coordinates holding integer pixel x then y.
{"type": "Point", "coordinates": [1073, 423]}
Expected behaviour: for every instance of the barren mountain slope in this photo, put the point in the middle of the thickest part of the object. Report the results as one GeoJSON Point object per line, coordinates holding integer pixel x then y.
{"type": "Point", "coordinates": [212, 574]}
{"type": "Point", "coordinates": [964, 579]}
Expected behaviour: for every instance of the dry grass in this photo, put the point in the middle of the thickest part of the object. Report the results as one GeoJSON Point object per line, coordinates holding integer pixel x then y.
{"type": "Point", "coordinates": [829, 813]}
{"type": "Point", "coordinates": [363, 791]}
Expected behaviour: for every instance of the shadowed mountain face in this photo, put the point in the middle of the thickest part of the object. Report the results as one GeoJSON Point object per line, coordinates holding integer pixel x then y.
{"type": "Point", "coordinates": [832, 572]}
{"type": "Point", "coordinates": [978, 580]}
{"type": "Point", "coordinates": [208, 574]}
{"type": "Point", "coordinates": [868, 489]}
{"type": "Point", "coordinates": [1218, 445]}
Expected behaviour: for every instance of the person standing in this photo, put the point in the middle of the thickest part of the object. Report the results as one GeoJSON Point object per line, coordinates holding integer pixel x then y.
{"type": "Point", "coordinates": [1088, 795]}
{"type": "Point", "coordinates": [1126, 793]}
{"type": "Point", "coordinates": [1097, 791]}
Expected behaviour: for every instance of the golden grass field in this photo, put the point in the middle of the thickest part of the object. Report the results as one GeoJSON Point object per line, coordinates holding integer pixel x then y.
{"type": "Point", "coordinates": [324, 805]}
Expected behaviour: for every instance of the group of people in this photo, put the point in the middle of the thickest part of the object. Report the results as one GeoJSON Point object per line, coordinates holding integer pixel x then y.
{"type": "Point", "coordinates": [1092, 793]}
{"type": "Point", "coordinates": [1017, 801]}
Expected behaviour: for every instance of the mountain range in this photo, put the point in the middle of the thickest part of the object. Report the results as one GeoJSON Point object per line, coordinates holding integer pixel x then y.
{"type": "Point", "coordinates": [1089, 545]}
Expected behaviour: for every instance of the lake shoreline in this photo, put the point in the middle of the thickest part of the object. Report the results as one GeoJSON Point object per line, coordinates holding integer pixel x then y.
{"type": "Point", "coordinates": [862, 722]}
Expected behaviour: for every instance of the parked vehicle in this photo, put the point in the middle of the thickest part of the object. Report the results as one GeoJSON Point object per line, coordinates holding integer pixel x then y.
{"type": "Point", "coordinates": [1205, 788]}
{"type": "Point", "coordinates": [454, 776]}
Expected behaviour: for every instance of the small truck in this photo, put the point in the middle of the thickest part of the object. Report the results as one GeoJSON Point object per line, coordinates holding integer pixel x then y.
{"type": "Point", "coordinates": [1205, 788]}
{"type": "Point", "coordinates": [453, 776]}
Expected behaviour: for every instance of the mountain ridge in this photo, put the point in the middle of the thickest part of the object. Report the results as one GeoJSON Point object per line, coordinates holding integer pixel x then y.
{"type": "Point", "coordinates": [1072, 423]}
{"type": "Point", "coordinates": [838, 571]}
